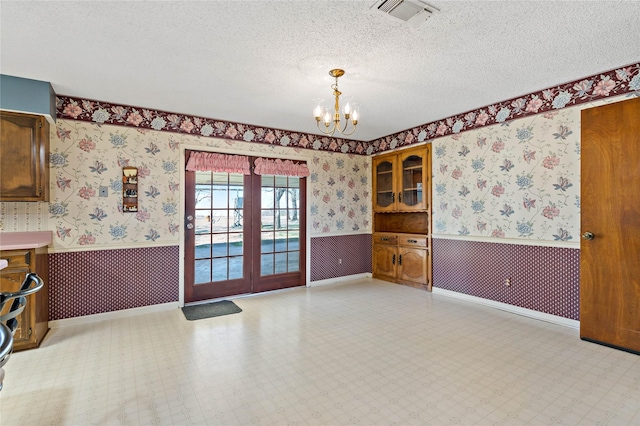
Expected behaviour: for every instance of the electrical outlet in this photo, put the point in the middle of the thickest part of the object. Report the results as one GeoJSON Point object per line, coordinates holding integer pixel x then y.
{"type": "Point", "coordinates": [507, 282]}
{"type": "Point", "coordinates": [103, 192]}
{"type": "Point", "coordinates": [339, 261]}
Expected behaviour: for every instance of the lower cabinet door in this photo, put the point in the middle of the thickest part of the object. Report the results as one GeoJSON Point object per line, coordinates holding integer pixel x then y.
{"type": "Point", "coordinates": [10, 281]}
{"type": "Point", "coordinates": [412, 265]}
{"type": "Point", "coordinates": [385, 261]}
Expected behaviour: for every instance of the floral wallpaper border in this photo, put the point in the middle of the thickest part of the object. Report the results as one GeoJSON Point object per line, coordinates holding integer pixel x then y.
{"type": "Point", "coordinates": [588, 89]}
{"type": "Point", "coordinates": [624, 80]}
{"type": "Point", "coordinates": [99, 112]}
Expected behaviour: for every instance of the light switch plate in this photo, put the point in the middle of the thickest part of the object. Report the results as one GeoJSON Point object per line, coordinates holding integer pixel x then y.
{"type": "Point", "coordinates": [104, 191]}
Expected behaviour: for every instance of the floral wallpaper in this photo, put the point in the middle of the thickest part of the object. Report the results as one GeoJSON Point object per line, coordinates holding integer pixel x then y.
{"type": "Point", "coordinates": [515, 180]}
{"type": "Point", "coordinates": [86, 157]}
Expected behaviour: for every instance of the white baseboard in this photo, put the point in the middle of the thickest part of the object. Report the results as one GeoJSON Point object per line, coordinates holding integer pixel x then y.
{"type": "Point", "coordinates": [124, 313]}
{"type": "Point", "coordinates": [510, 308]}
{"type": "Point", "coordinates": [339, 279]}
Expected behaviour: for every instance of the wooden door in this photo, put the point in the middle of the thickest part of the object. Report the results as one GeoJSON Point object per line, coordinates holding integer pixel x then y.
{"type": "Point", "coordinates": [610, 225]}
{"type": "Point", "coordinates": [217, 235]}
{"type": "Point", "coordinates": [279, 224]}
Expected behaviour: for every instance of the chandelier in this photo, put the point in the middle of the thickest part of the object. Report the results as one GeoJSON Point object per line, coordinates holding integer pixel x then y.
{"type": "Point", "coordinates": [331, 119]}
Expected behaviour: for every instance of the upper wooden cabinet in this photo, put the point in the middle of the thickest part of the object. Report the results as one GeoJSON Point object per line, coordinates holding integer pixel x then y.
{"type": "Point", "coordinates": [24, 157]}
{"type": "Point", "coordinates": [400, 180]}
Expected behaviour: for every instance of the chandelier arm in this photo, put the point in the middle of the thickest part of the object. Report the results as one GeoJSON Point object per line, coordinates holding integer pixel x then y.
{"type": "Point", "coordinates": [351, 132]}
{"type": "Point", "coordinates": [326, 130]}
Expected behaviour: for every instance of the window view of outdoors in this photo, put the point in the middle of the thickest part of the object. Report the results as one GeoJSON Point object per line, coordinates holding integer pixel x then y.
{"type": "Point", "coordinates": [219, 253]}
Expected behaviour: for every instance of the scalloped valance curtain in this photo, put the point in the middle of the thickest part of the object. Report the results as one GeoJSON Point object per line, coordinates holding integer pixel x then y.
{"type": "Point", "coordinates": [214, 162]}
{"type": "Point", "coordinates": [267, 166]}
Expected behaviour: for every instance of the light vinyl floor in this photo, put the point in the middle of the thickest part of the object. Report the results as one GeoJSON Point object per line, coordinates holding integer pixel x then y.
{"type": "Point", "coordinates": [363, 352]}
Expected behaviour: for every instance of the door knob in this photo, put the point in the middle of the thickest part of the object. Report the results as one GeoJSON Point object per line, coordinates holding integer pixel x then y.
{"type": "Point", "coordinates": [588, 236]}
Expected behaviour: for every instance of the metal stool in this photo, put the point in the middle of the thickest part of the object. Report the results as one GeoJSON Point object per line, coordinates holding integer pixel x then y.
{"type": "Point", "coordinates": [9, 321]}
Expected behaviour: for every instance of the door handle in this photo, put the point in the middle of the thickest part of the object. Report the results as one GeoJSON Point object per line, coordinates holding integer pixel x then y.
{"type": "Point", "coordinates": [588, 236]}
{"type": "Point", "coordinates": [400, 260]}
{"type": "Point", "coordinates": [393, 259]}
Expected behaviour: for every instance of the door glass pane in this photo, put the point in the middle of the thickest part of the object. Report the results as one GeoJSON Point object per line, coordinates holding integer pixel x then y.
{"type": "Point", "coordinates": [294, 240]}
{"type": "Point", "coordinates": [235, 267]}
{"type": "Point", "coordinates": [267, 243]}
{"type": "Point", "coordinates": [235, 244]}
{"type": "Point", "coordinates": [219, 269]}
{"type": "Point", "coordinates": [384, 184]}
{"type": "Point", "coordinates": [281, 263]}
{"type": "Point", "coordinates": [293, 264]}
{"type": "Point", "coordinates": [412, 180]}
{"type": "Point", "coordinates": [202, 271]}
{"type": "Point", "coordinates": [266, 264]}
{"type": "Point", "coordinates": [219, 248]}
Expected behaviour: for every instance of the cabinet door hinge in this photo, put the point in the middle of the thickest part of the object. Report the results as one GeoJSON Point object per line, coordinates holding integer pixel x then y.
{"type": "Point", "coordinates": [30, 331]}
{"type": "Point", "coordinates": [39, 124]}
{"type": "Point", "coordinates": [39, 191]}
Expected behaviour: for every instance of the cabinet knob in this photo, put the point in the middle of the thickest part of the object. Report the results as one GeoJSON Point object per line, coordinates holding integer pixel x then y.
{"type": "Point", "coordinates": [588, 236]}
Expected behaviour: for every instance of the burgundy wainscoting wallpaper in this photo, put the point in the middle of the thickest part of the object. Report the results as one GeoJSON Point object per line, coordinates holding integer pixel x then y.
{"type": "Point", "coordinates": [354, 250]}
{"type": "Point", "coordinates": [544, 279]}
{"type": "Point", "coordinates": [93, 282]}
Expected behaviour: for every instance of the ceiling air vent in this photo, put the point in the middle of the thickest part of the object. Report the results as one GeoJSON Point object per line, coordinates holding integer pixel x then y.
{"type": "Point", "coordinates": [414, 12]}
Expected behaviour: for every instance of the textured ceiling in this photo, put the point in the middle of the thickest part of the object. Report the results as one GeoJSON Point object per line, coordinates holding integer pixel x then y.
{"type": "Point", "coordinates": [264, 62]}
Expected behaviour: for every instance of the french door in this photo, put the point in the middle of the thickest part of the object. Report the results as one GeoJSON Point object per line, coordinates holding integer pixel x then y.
{"type": "Point", "coordinates": [244, 234]}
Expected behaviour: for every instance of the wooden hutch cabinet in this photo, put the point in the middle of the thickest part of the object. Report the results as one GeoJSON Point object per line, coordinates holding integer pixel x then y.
{"type": "Point", "coordinates": [402, 217]}
{"type": "Point", "coordinates": [24, 157]}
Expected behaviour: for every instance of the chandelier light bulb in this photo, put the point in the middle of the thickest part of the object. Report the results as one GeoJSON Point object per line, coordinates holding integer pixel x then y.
{"type": "Point", "coordinates": [346, 109]}
{"type": "Point", "coordinates": [327, 118]}
{"type": "Point", "coordinates": [355, 116]}
{"type": "Point", "coordinates": [317, 111]}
